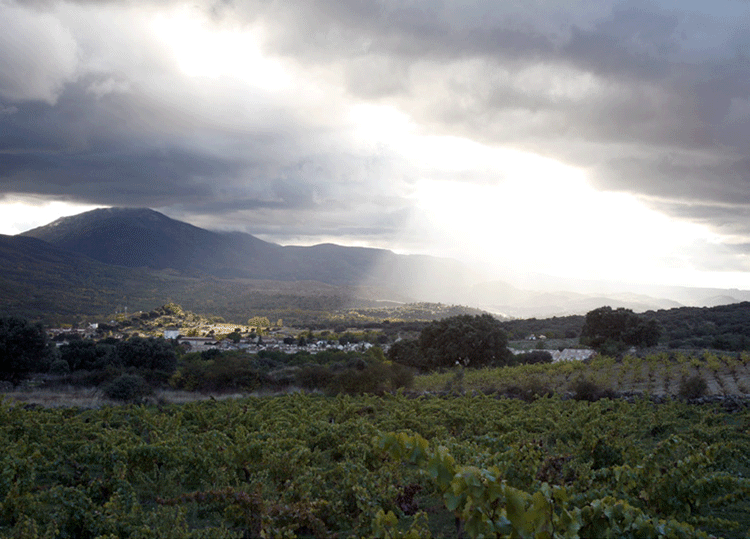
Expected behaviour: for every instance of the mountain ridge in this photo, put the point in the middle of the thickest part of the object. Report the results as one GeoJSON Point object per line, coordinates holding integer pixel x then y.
{"type": "Point", "coordinates": [142, 238]}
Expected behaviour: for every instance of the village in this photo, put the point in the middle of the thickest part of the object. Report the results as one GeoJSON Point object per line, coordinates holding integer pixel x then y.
{"type": "Point", "coordinates": [228, 337]}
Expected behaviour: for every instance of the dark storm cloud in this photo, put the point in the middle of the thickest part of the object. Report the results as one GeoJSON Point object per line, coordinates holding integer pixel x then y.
{"type": "Point", "coordinates": [667, 78]}
{"type": "Point", "coordinates": [97, 151]}
{"type": "Point", "coordinates": [652, 97]}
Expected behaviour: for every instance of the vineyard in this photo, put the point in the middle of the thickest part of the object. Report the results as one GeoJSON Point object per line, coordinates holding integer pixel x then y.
{"type": "Point", "coordinates": [392, 466]}
{"type": "Point", "coordinates": [656, 375]}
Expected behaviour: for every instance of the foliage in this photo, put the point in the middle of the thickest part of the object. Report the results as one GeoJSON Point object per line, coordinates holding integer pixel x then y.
{"type": "Point", "coordinates": [23, 348]}
{"type": "Point", "coordinates": [259, 323]}
{"type": "Point", "coordinates": [657, 374]}
{"type": "Point", "coordinates": [726, 327]}
{"type": "Point", "coordinates": [227, 371]}
{"type": "Point", "coordinates": [147, 353]}
{"type": "Point", "coordinates": [88, 355]}
{"type": "Point", "coordinates": [471, 341]}
{"type": "Point", "coordinates": [533, 357]}
{"type": "Point", "coordinates": [619, 501]}
{"type": "Point", "coordinates": [253, 468]}
{"type": "Point", "coordinates": [127, 388]}
{"type": "Point", "coordinates": [616, 329]}
{"type": "Point", "coordinates": [408, 352]}
{"type": "Point", "coordinates": [557, 327]}
{"type": "Point", "coordinates": [588, 390]}
{"type": "Point", "coordinates": [693, 387]}
{"type": "Point", "coordinates": [59, 367]}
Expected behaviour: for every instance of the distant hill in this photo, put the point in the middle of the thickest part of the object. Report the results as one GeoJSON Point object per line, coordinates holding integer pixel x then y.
{"type": "Point", "coordinates": [170, 257]}
{"type": "Point", "coordinates": [723, 327]}
{"type": "Point", "coordinates": [145, 238]}
{"type": "Point", "coordinates": [41, 281]}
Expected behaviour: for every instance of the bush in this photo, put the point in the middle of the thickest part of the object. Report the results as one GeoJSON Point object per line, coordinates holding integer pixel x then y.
{"type": "Point", "coordinates": [148, 354]}
{"type": "Point", "coordinates": [530, 391]}
{"type": "Point", "coordinates": [407, 352]}
{"type": "Point", "coordinates": [313, 377]}
{"type": "Point", "coordinates": [59, 367]}
{"type": "Point", "coordinates": [588, 390]}
{"type": "Point", "coordinates": [229, 371]}
{"type": "Point", "coordinates": [372, 379]}
{"type": "Point", "coordinates": [23, 349]}
{"type": "Point", "coordinates": [401, 376]}
{"type": "Point", "coordinates": [127, 388]}
{"type": "Point", "coordinates": [693, 387]}
{"type": "Point", "coordinates": [88, 355]}
{"type": "Point", "coordinates": [533, 357]}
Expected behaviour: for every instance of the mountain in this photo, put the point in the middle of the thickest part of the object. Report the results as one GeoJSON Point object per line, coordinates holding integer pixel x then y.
{"type": "Point", "coordinates": [41, 281]}
{"type": "Point", "coordinates": [180, 257]}
{"type": "Point", "coordinates": [145, 238]}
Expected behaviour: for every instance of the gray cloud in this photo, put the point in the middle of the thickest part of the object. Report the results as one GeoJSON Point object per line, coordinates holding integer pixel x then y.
{"type": "Point", "coordinates": [652, 98]}
{"type": "Point", "coordinates": [38, 55]}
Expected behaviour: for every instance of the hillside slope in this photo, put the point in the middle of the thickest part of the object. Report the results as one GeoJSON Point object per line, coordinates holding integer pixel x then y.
{"type": "Point", "coordinates": [145, 238]}
{"type": "Point", "coordinates": [41, 281]}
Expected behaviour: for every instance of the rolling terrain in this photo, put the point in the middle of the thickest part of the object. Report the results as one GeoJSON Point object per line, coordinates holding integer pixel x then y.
{"type": "Point", "coordinates": [108, 259]}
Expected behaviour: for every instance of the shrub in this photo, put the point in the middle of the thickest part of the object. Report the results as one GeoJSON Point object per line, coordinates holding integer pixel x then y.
{"type": "Point", "coordinates": [588, 390]}
{"type": "Point", "coordinates": [531, 390]}
{"type": "Point", "coordinates": [127, 388]}
{"type": "Point", "coordinates": [59, 367]}
{"type": "Point", "coordinates": [23, 349]}
{"type": "Point", "coordinates": [534, 357]}
{"type": "Point", "coordinates": [313, 377]}
{"type": "Point", "coordinates": [401, 376]}
{"type": "Point", "coordinates": [150, 354]}
{"type": "Point", "coordinates": [407, 352]}
{"type": "Point", "coordinates": [375, 377]}
{"type": "Point", "coordinates": [229, 371]}
{"type": "Point", "coordinates": [693, 387]}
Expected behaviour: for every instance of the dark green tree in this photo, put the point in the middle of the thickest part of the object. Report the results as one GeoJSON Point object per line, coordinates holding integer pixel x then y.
{"type": "Point", "coordinates": [149, 354]}
{"type": "Point", "coordinates": [407, 352]}
{"type": "Point", "coordinates": [235, 336]}
{"type": "Point", "coordinates": [471, 341]}
{"type": "Point", "coordinates": [88, 355]}
{"type": "Point", "coordinates": [613, 330]}
{"type": "Point", "coordinates": [23, 348]}
{"type": "Point", "coordinates": [127, 388]}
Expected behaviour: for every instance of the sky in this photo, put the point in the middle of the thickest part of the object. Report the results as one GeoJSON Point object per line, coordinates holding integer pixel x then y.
{"type": "Point", "coordinates": [587, 139]}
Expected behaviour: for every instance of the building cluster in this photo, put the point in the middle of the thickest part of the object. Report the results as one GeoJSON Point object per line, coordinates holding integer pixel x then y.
{"type": "Point", "coordinates": [275, 344]}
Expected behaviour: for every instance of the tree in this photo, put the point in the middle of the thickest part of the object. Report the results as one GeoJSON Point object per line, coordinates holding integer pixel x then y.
{"type": "Point", "coordinates": [614, 330]}
{"type": "Point", "coordinates": [127, 388]}
{"type": "Point", "coordinates": [472, 341]}
{"type": "Point", "coordinates": [407, 352]}
{"type": "Point", "coordinates": [88, 355]}
{"type": "Point", "coordinates": [23, 348]}
{"type": "Point", "coordinates": [150, 354]}
{"type": "Point", "coordinates": [235, 336]}
{"type": "Point", "coordinates": [259, 323]}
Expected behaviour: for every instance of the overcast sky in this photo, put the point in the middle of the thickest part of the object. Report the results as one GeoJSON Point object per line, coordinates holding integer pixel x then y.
{"type": "Point", "coordinates": [593, 139]}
